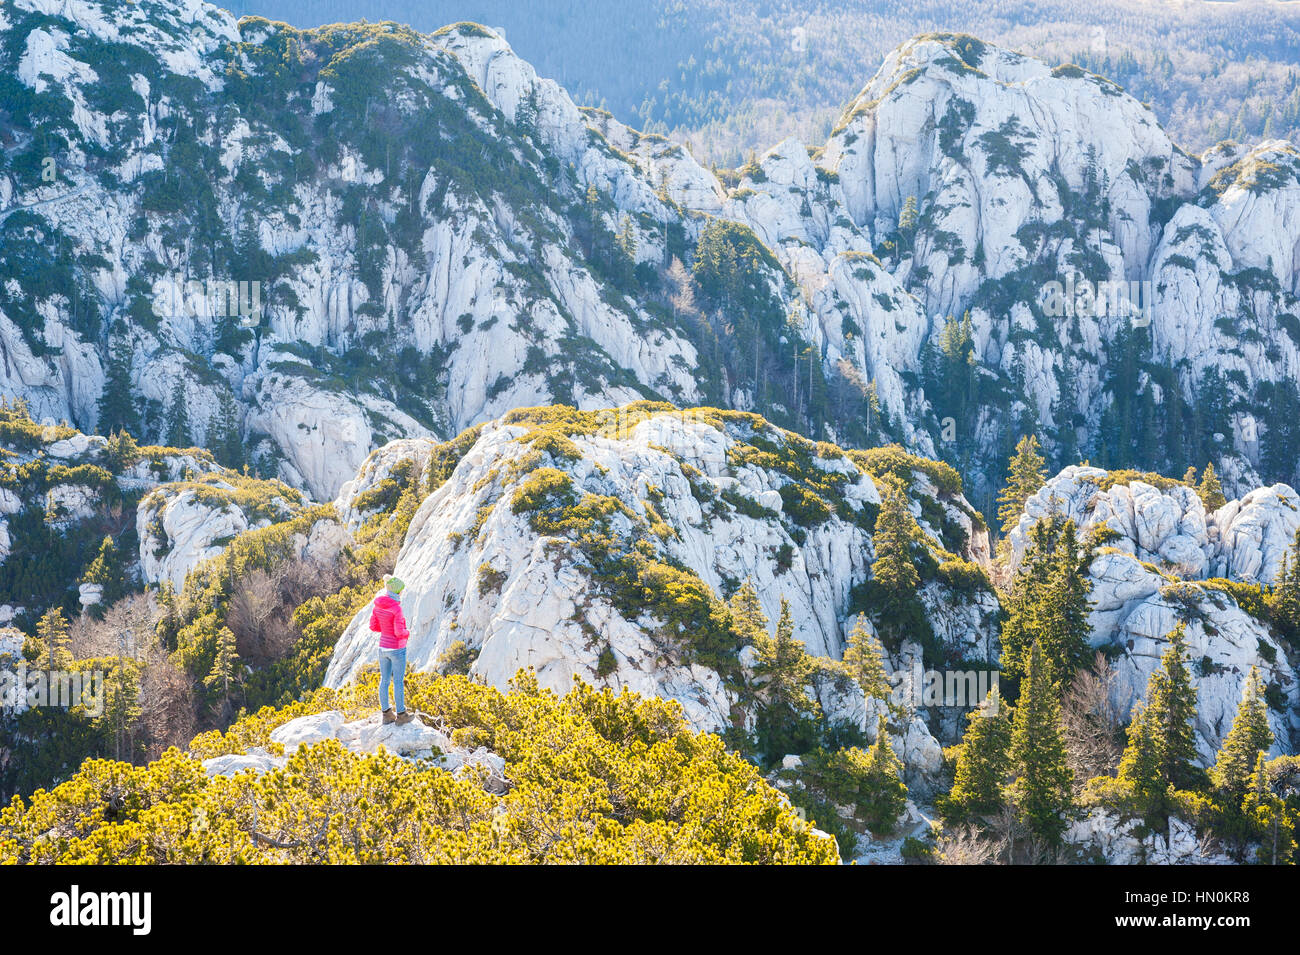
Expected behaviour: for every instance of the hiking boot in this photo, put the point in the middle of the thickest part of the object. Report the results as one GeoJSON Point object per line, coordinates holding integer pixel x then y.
{"type": "Point", "coordinates": [404, 717]}
{"type": "Point", "coordinates": [388, 717]}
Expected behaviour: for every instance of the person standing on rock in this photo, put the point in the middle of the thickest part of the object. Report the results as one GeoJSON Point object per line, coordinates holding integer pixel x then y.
{"type": "Point", "coordinates": [386, 620]}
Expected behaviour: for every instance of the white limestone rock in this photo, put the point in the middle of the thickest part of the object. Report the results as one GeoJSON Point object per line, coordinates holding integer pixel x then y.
{"type": "Point", "coordinates": [376, 469]}
{"type": "Point", "coordinates": [416, 740]}
{"type": "Point", "coordinates": [306, 730]}
{"type": "Point", "coordinates": [477, 572]}
{"type": "Point", "coordinates": [1253, 534]}
{"type": "Point", "coordinates": [181, 525]}
{"type": "Point", "coordinates": [1152, 577]}
{"type": "Point", "coordinates": [257, 760]}
{"type": "Point", "coordinates": [325, 435]}
{"type": "Point", "coordinates": [1120, 841]}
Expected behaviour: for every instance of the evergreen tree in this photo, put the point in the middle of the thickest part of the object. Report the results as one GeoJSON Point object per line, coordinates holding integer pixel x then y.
{"type": "Point", "coordinates": [1249, 736]}
{"type": "Point", "coordinates": [224, 436]}
{"type": "Point", "coordinates": [747, 617]}
{"type": "Point", "coordinates": [873, 405]}
{"type": "Point", "coordinates": [983, 764]}
{"type": "Point", "coordinates": [1161, 751]}
{"type": "Point", "coordinates": [52, 632]}
{"type": "Point", "coordinates": [106, 571]}
{"type": "Point", "coordinates": [178, 433]}
{"type": "Point", "coordinates": [784, 719]}
{"type": "Point", "coordinates": [893, 573]}
{"type": "Point", "coordinates": [864, 658]}
{"type": "Point", "coordinates": [1210, 490]}
{"type": "Point", "coordinates": [1171, 705]}
{"type": "Point", "coordinates": [1272, 826]}
{"type": "Point", "coordinates": [907, 219]}
{"type": "Point", "coordinates": [117, 410]}
{"type": "Point", "coordinates": [122, 708]}
{"type": "Point", "coordinates": [1025, 475]}
{"type": "Point", "coordinates": [1284, 600]}
{"type": "Point", "coordinates": [1048, 603]}
{"type": "Point", "coordinates": [882, 785]}
{"type": "Point", "coordinates": [625, 242]}
{"type": "Point", "coordinates": [224, 675]}
{"type": "Point", "coordinates": [1063, 628]}
{"type": "Point", "coordinates": [953, 372]}
{"type": "Point", "coordinates": [1042, 788]}
{"type": "Point", "coordinates": [120, 451]}
{"type": "Point", "coordinates": [1139, 767]}
{"type": "Point", "coordinates": [907, 215]}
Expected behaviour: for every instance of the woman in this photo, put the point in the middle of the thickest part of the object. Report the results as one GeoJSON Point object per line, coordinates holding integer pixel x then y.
{"type": "Point", "coordinates": [386, 620]}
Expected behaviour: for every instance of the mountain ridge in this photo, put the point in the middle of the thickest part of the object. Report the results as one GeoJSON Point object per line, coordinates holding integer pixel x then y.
{"type": "Point", "coordinates": [839, 307]}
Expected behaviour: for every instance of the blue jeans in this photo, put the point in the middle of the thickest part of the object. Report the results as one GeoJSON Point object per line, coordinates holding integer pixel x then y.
{"type": "Point", "coordinates": [392, 666]}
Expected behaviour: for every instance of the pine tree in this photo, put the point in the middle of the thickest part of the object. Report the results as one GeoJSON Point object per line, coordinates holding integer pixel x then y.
{"type": "Point", "coordinates": [106, 571]}
{"type": "Point", "coordinates": [1249, 736]}
{"type": "Point", "coordinates": [893, 573]}
{"type": "Point", "coordinates": [122, 708]}
{"type": "Point", "coordinates": [625, 242]}
{"type": "Point", "coordinates": [1025, 475]}
{"type": "Point", "coordinates": [882, 784]}
{"type": "Point", "coordinates": [907, 219]}
{"type": "Point", "coordinates": [1063, 628]}
{"type": "Point", "coordinates": [1048, 602]}
{"type": "Point", "coordinates": [1210, 490]}
{"type": "Point", "coordinates": [1171, 701]}
{"type": "Point", "coordinates": [873, 404]}
{"type": "Point", "coordinates": [747, 617]}
{"type": "Point", "coordinates": [953, 369]}
{"type": "Point", "coordinates": [864, 658]}
{"type": "Point", "coordinates": [178, 433]}
{"type": "Point", "coordinates": [224, 437]}
{"type": "Point", "coordinates": [52, 631]}
{"type": "Point", "coordinates": [785, 668]}
{"type": "Point", "coordinates": [1284, 600]}
{"type": "Point", "coordinates": [1139, 767]}
{"type": "Point", "coordinates": [1273, 827]}
{"type": "Point", "coordinates": [169, 616]}
{"type": "Point", "coordinates": [117, 410]}
{"type": "Point", "coordinates": [1042, 788]}
{"type": "Point", "coordinates": [224, 675]}
{"type": "Point", "coordinates": [983, 764]}
{"type": "Point", "coordinates": [1161, 751]}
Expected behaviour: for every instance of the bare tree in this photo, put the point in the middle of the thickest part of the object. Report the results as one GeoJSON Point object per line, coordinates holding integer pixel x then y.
{"type": "Point", "coordinates": [971, 846]}
{"type": "Point", "coordinates": [1093, 723]}
{"type": "Point", "coordinates": [255, 601]}
{"type": "Point", "coordinates": [166, 703]}
{"type": "Point", "coordinates": [127, 625]}
{"type": "Point", "coordinates": [262, 604]}
{"type": "Point", "coordinates": [682, 295]}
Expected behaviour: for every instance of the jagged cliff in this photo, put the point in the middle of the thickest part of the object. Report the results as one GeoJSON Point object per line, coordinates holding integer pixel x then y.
{"type": "Point", "coordinates": [472, 241]}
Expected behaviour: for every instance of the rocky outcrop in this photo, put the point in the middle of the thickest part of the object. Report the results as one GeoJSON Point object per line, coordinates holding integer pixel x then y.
{"type": "Point", "coordinates": [359, 497]}
{"type": "Point", "coordinates": [1245, 539]}
{"type": "Point", "coordinates": [179, 532]}
{"type": "Point", "coordinates": [1158, 573]}
{"type": "Point", "coordinates": [1105, 836]}
{"type": "Point", "coordinates": [417, 740]}
{"type": "Point", "coordinates": [478, 570]}
{"type": "Point", "coordinates": [465, 290]}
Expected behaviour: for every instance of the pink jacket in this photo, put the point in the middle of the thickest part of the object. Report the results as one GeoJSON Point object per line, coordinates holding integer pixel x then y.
{"type": "Point", "coordinates": [386, 620]}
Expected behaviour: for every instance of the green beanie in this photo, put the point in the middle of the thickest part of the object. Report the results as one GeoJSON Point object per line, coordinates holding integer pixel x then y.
{"type": "Point", "coordinates": [395, 585]}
